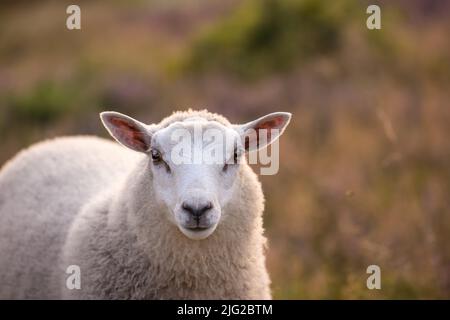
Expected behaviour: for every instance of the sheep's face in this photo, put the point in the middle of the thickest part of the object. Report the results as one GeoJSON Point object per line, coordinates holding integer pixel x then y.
{"type": "Point", "coordinates": [195, 163]}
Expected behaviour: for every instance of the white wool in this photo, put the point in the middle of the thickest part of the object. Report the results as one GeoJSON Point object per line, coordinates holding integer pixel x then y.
{"type": "Point", "coordinates": [90, 202]}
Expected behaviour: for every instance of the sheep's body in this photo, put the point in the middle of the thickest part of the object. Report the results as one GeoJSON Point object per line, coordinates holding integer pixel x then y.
{"type": "Point", "coordinates": [41, 192]}
{"type": "Point", "coordinates": [87, 201]}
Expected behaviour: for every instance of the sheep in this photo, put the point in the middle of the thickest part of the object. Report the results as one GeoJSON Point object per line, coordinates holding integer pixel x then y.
{"type": "Point", "coordinates": [135, 224]}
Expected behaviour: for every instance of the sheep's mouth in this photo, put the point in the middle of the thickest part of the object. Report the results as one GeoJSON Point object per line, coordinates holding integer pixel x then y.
{"type": "Point", "coordinates": [197, 228]}
{"type": "Point", "coordinates": [197, 232]}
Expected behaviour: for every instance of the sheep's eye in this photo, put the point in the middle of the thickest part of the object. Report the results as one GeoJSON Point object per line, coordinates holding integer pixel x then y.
{"type": "Point", "coordinates": [156, 155]}
{"type": "Point", "coordinates": [235, 160]}
{"type": "Point", "coordinates": [157, 159]}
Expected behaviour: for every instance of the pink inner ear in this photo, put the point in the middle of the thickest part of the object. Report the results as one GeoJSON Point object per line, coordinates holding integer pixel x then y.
{"type": "Point", "coordinates": [274, 123]}
{"type": "Point", "coordinates": [129, 134]}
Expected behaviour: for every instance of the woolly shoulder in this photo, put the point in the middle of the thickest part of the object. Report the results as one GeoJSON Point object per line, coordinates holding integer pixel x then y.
{"type": "Point", "coordinates": [58, 150]}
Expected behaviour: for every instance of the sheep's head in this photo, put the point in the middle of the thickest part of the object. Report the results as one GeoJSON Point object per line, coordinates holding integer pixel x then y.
{"type": "Point", "coordinates": [195, 162]}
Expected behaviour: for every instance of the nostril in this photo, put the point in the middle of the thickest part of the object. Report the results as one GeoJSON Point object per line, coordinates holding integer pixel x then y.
{"type": "Point", "coordinates": [197, 211]}
{"type": "Point", "coordinates": [188, 208]}
{"type": "Point", "coordinates": [208, 206]}
{"type": "Point", "coordinates": [200, 211]}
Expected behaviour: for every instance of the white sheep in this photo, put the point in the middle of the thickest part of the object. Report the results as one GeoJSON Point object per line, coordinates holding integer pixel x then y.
{"type": "Point", "coordinates": [117, 214]}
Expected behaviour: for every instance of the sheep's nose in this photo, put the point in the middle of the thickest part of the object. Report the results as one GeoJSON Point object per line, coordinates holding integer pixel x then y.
{"type": "Point", "coordinates": [198, 209]}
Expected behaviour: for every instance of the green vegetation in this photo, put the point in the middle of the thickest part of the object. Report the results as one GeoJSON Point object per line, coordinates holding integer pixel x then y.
{"type": "Point", "coordinates": [44, 104]}
{"type": "Point", "coordinates": [364, 167]}
{"type": "Point", "coordinates": [262, 37]}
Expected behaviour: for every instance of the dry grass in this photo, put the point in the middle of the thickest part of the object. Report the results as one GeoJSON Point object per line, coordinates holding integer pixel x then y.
{"type": "Point", "coordinates": [365, 164]}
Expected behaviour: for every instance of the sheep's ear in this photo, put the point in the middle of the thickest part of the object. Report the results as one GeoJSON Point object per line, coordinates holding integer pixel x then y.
{"type": "Point", "coordinates": [127, 131]}
{"type": "Point", "coordinates": [263, 131]}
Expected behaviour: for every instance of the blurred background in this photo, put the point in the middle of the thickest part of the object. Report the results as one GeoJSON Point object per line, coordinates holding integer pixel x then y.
{"type": "Point", "coordinates": [365, 164]}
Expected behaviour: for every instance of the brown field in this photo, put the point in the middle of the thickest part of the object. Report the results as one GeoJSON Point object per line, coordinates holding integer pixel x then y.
{"type": "Point", "coordinates": [365, 164]}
